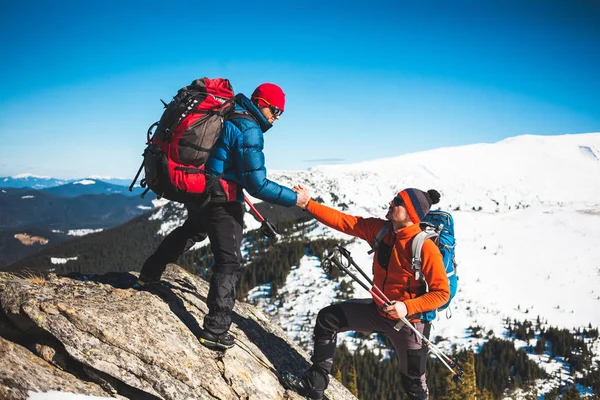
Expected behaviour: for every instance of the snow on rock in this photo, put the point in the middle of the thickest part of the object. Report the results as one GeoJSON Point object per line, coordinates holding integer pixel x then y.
{"type": "Point", "coordinates": [82, 232]}
{"type": "Point", "coordinates": [57, 260]}
{"type": "Point", "coordinates": [160, 202]}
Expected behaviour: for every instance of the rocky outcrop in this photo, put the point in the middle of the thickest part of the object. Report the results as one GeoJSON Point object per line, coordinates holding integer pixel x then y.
{"type": "Point", "coordinates": [95, 335]}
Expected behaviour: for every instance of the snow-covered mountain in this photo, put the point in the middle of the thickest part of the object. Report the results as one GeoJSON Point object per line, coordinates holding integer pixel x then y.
{"type": "Point", "coordinates": [44, 182]}
{"type": "Point", "coordinates": [30, 181]}
{"type": "Point", "coordinates": [527, 215]}
{"type": "Point", "coordinates": [514, 173]}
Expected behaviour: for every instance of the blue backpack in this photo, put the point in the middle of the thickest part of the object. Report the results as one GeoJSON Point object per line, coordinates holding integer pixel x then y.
{"type": "Point", "coordinates": [439, 227]}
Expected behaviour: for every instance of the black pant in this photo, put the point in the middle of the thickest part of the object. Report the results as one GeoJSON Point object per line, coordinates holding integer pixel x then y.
{"type": "Point", "coordinates": [361, 315]}
{"type": "Point", "coordinates": [224, 224]}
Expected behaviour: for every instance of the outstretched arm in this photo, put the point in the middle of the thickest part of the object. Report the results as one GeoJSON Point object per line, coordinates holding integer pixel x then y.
{"type": "Point", "coordinates": [364, 228]}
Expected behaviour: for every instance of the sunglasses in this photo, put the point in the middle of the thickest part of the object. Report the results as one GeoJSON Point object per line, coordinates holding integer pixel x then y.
{"type": "Point", "coordinates": [274, 110]}
{"type": "Point", "coordinates": [398, 201]}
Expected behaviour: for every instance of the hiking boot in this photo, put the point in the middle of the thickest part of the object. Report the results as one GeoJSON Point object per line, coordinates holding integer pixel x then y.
{"type": "Point", "coordinates": [216, 342]}
{"type": "Point", "coordinates": [302, 386]}
{"type": "Point", "coordinates": [140, 284]}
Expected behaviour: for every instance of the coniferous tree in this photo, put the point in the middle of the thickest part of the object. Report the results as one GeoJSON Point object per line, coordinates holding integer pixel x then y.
{"type": "Point", "coordinates": [467, 389]}
{"type": "Point", "coordinates": [353, 384]}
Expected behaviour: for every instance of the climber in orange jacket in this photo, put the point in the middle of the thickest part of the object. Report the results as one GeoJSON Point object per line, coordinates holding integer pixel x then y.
{"type": "Point", "coordinates": [394, 276]}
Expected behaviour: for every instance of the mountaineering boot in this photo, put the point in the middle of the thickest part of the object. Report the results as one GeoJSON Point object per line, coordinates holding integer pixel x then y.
{"type": "Point", "coordinates": [144, 283]}
{"type": "Point", "coordinates": [311, 385]}
{"type": "Point", "coordinates": [220, 342]}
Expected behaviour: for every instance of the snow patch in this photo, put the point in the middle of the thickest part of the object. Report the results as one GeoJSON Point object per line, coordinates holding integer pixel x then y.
{"type": "Point", "coordinates": [84, 182]}
{"type": "Point", "coordinates": [82, 232]}
{"type": "Point", "coordinates": [250, 222]}
{"type": "Point", "coordinates": [160, 202]}
{"type": "Point", "coordinates": [57, 260]}
{"type": "Point", "coordinates": [27, 197]}
{"type": "Point", "coordinates": [144, 207]}
{"type": "Point", "coordinates": [305, 292]}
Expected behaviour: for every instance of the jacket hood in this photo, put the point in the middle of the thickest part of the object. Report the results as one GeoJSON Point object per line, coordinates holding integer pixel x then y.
{"type": "Point", "coordinates": [244, 102]}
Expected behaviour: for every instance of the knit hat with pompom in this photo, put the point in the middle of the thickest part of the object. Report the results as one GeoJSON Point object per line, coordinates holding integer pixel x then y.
{"type": "Point", "coordinates": [418, 203]}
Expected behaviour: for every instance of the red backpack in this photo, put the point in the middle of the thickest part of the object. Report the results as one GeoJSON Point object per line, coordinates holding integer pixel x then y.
{"type": "Point", "coordinates": [183, 139]}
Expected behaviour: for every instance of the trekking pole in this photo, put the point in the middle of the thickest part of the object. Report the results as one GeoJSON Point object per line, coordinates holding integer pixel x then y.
{"type": "Point", "coordinates": [447, 361]}
{"type": "Point", "coordinates": [267, 228]}
{"type": "Point", "coordinates": [327, 267]}
{"type": "Point", "coordinates": [382, 301]}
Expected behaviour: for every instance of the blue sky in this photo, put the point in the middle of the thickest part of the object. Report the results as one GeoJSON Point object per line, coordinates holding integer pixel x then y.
{"type": "Point", "coordinates": [81, 81]}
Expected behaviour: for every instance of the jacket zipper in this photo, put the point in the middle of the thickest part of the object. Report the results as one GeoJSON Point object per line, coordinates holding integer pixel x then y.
{"type": "Point", "coordinates": [388, 267]}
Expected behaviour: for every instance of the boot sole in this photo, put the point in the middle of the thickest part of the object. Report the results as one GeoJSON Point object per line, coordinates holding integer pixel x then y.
{"type": "Point", "coordinates": [214, 345]}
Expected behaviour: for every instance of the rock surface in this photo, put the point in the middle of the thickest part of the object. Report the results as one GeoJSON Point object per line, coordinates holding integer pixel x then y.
{"type": "Point", "coordinates": [94, 335]}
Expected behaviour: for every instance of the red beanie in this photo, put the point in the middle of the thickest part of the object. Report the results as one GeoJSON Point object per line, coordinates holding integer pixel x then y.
{"type": "Point", "coordinates": [271, 93]}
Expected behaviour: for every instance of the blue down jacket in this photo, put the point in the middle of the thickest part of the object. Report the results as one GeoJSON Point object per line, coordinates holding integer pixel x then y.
{"type": "Point", "coordinates": [238, 155]}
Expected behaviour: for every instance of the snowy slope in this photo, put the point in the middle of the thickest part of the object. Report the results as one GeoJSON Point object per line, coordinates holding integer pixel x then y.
{"type": "Point", "coordinates": [531, 246]}
{"type": "Point", "coordinates": [524, 170]}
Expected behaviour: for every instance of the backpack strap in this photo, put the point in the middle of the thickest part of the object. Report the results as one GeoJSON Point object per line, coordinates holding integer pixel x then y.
{"type": "Point", "coordinates": [241, 115]}
{"type": "Point", "coordinates": [417, 247]}
{"type": "Point", "coordinates": [385, 229]}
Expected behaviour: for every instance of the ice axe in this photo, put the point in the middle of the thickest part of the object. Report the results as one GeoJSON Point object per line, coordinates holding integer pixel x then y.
{"type": "Point", "coordinates": [267, 228]}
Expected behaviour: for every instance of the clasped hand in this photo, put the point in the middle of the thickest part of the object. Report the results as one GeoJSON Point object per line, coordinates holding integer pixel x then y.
{"type": "Point", "coordinates": [396, 310]}
{"type": "Point", "coordinates": [303, 195]}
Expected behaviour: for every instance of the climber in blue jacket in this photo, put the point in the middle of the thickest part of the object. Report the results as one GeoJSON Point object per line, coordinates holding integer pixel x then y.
{"type": "Point", "coordinates": [238, 162]}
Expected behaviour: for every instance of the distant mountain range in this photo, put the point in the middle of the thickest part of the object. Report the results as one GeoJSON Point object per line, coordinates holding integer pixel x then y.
{"type": "Point", "coordinates": [125, 247]}
{"type": "Point", "coordinates": [25, 208]}
{"type": "Point", "coordinates": [32, 220]}
{"type": "Point", "coordinates": [91, 186]}
{"type": "Point", "coordinates": [30, 181]}
{"type": "Point", "coordinates": [45, 182]}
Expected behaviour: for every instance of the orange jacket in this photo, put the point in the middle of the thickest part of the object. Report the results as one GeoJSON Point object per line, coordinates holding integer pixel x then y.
{"type": "Point", "coordinates": [398, 281]}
